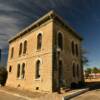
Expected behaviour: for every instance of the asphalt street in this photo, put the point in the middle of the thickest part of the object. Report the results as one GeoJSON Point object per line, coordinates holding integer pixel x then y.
{"type": "Point", "coordinates": [91, 95]}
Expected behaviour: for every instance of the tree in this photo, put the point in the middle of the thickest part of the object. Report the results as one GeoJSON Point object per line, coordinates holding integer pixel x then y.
{"type": "Point", "coordinates": [95, 70]}
{"type": "Point", "coordinates": [87, 72]}
{"type": "Point", "coordinates": [84, 59]}
{"type": "Point", "coordinates": [3, 75]}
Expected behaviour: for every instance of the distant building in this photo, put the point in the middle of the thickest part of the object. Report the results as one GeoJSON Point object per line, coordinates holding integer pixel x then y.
{"type": "Point", "coordinates": [94, 75]}
{"type": "Point", "coordinates": [45, 56]}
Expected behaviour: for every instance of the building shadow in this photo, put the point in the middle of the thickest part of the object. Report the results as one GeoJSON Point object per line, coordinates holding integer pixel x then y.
{"type": "Point", "coordinates": [93, 85]}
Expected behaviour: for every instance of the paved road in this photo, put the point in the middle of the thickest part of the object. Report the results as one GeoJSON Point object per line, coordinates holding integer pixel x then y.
{"type": "Point", "coordinates": [91, 95]}
{"type": "Point", "coordinates": [6, 96]}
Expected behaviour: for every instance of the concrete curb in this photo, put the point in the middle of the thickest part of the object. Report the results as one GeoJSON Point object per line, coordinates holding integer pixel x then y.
{"type": "Point", "coordinates": [75, 94]}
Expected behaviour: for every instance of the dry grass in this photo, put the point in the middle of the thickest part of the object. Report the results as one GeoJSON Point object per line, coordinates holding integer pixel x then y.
{"type": "Point", "coordinates": [92, 80]}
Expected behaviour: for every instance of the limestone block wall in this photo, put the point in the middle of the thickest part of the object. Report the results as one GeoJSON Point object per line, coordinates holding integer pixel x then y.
{"type": "Point", "coordinates": [66, 55]}
{"type": "Point", "coordinates": [44, 83]}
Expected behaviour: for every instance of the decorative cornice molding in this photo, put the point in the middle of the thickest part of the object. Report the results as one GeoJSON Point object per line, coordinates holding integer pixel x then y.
{"type": "Point", "coordinates": [42, 20]}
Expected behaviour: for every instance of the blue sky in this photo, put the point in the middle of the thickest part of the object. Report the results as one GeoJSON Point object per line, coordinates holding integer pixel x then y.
{"type": "Point", "coordinates": [82, 15]}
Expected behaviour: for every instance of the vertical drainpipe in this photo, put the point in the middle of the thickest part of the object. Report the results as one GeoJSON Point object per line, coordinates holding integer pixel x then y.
{"type": "Point", "coordinates": [53, 55]}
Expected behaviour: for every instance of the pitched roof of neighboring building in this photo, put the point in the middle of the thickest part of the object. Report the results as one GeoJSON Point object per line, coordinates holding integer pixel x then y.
{"type": "Point", "coordinates": [46, 17]}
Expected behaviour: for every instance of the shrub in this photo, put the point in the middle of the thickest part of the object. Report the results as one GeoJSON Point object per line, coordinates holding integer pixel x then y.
{"type": "Point", "coordinates": [81, 84]}
{"type": "Point", "coordinates": [3, 75]}
{"type": "Point", "coordinates": [74, 85]}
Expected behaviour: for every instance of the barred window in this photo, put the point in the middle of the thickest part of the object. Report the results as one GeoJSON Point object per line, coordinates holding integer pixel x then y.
{"type": "Point", "coordinates": [18, 71]}
{"type": "Point", "coordinates": [76, 49]}
{"type": "Point", "coordinates": [38, 69]}
{"type": "Point", "coordinates": [60, 41]}
{"type": "Point", "coordinates": [61, 73]}
{"type": "Point", "coordinates": [39, 41]}
{"type": "Point", "coordinates": [12, 52]}
{"type": "Point", "coordinates": [25, 47]}
{"type": "Point", "coordinates": [20, 49]}
{"type": "Point", "coordinates": [72, 47]}
{"type": "Point", "coordinates": [10, 68]}
{"type": "Point", "coordinates": [23, 71]}
{"type": "Point", "coordinates": [77, 70]}
{"type": "Point", "coordinates": [73, 69]}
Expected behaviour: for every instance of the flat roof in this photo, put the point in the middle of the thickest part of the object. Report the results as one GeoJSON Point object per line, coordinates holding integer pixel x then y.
{"type": "Point", "coordinates": [46, 17]}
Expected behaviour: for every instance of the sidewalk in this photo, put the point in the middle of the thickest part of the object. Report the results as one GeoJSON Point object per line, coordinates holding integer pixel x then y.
{"type": "Point", "coordinates": [28, 95]}
{"type": "Point", "coordinates": [74, 93]}
{"type": "Point", "coordinates": [22, 92]}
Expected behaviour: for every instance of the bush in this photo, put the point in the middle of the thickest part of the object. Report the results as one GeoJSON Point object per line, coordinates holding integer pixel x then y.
{"type": "Point", "coordinates": [3, 75]}
{"type": "Point", "coordinates": [74, 85]}
{"type": "Point", "coordinates": [81, 84]}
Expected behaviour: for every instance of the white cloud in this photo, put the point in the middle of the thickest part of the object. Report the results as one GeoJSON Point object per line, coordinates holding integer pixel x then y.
{"type": "Point", "coordinates": [16, 14]}
{"type": "Point", "coordinates": [7, 19]}
{"type": "Point", "coordinates": [7, 7]}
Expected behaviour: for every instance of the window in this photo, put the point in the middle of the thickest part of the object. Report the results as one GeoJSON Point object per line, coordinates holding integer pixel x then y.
{"type": "Point", "coordinates": [20, 49]}
{"type": "Point", "coordinates": [23, 71]}
{"type": "Point", "coordinates": [74, 70]}
{"type": "Point", "coordinates": [60, 41]}
{"type": "Point", "coordinates": [10, 68]}
{"type": "Point", "coordinates": [39, 41]}
{"type": "Point", "coordinates": [77, 70]}
{"type": "Point", "coordinates": [38, 69]}
{"type": "Point", "coordinates": [61, 73]}
{"type": "Point", "coordinates": [25, 47]}
{"type": "Point", "coordinates": [72, 47]}
{"type": "Point", "coordinates": [58, 54]}
{"type": "Point", "coordinates": [76, 49]}
{"type": "Point", "coordinates": [18, 71]}
{"type": "Point", "coordinates": [12, 52]}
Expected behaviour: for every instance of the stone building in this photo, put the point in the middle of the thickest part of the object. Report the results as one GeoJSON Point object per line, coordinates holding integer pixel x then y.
{"type": "Point", "coordinates": [45, 56]}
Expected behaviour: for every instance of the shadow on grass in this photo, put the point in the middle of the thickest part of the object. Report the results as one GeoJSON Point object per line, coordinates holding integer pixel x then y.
{"type": "Point", "coordinates": [92, 85]}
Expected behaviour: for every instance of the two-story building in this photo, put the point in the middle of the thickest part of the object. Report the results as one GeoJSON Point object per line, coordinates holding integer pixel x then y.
{"type": "Point", "coordinates": [45, 56]}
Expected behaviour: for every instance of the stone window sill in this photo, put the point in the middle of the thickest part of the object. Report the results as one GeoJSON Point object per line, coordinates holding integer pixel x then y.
{"type": "Point", "coordinates": [20, 78]}
{"type": "Point", "coordinates": [38, 79]}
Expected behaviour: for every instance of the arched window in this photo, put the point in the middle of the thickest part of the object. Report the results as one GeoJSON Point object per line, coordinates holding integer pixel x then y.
{"type": "Point", "coordinates": [76, 46]}
{"type": "Point", "coordinates": [72, 47]}
{"type": "Point", "coordinates": [61, 76]}
{"type": "Point", "coordinates": [20, 49]}
{"type": "Point", "coordinates": [39, 41]}
{"type": "Point", "coordinates": [60, 41]}
{"type": "Point", "coordinates": [38, 69]}
{"type": "Point", "coordinates": [10, 68]}
{"type": "Point", "coordinates": [73, 69]}
{"type": "Point", "coordinates": [25, 47]}
{"type": "Point", "coordinates": [77, 70]}
{"type": "Point", "coordinates": [12, 52]}
{"type": "Point", "coordinates": [23, 71]}
{"type": "Point", "coordinates": [18, 71]}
